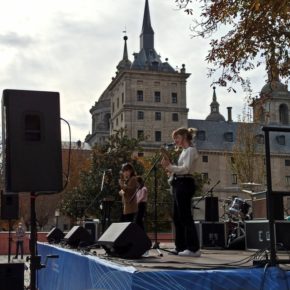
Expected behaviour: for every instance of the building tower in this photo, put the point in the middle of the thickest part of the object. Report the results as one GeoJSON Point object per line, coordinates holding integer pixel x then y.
{"type": "Point", "coordinates": [146, 97]}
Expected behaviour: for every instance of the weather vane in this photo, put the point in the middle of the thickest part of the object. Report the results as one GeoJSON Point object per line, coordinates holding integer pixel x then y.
{"type": "Point", "coordinates": [125, 30]}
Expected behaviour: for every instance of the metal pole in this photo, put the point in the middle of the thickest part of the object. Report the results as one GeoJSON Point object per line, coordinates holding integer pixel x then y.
{"type": "Point", "coordinates": [32, 244]}
{"type": "Point", "coordinates": [269, 201]}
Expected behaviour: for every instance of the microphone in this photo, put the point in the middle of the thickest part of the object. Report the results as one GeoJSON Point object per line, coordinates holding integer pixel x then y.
{"type": "Point", "coordinates": [169, 145]}
{"type": "Point", "coordinates": [108, 170]}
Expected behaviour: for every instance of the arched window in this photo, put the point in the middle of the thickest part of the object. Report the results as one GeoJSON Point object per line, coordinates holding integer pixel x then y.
{"type": "Point", "coordinates": [283, 114]}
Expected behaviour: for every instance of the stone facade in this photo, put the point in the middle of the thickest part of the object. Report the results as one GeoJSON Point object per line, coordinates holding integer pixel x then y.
{"type": "Point", "coordinates": [148, 97]}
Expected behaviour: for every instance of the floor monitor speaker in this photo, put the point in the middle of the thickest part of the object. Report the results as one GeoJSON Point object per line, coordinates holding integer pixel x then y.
{"type": "Point", "coordinates": [78, 237]}
{"type": "Point", "coordinates": [125, 240]}
{"type": "Point", "coordinates": [55, 236]}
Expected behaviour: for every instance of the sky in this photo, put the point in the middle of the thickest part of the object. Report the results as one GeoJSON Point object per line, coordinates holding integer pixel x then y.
{"type": "Point", "coordinates": [74, 46]}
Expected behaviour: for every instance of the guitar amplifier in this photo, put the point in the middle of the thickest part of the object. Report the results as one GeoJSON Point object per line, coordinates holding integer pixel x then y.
{"type": "Point", "coordinates": [213, 235]}
{"type": "Point", "coordinates": [258, 235]}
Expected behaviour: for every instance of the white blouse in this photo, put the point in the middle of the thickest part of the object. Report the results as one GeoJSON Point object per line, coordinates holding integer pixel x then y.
{"type": "Point", "coordinates": [186, 162]}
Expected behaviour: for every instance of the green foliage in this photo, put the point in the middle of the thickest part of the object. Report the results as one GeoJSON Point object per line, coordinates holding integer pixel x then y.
{"type": "Point", "coordinates": [253, 32]}
{"type": "Point", "coordinates": [101, 180]}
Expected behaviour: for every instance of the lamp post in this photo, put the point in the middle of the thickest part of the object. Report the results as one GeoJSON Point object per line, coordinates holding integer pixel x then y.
{"type": "Point", "coordinates": [56, 214]}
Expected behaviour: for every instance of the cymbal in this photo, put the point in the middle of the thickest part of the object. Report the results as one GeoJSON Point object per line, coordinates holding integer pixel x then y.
{"type": "Point", "coordinates": [251, 184]}
{"type": "Point", "coordinates": [247, 191]}
{"type": "Point", "coordinates": [254, 192]}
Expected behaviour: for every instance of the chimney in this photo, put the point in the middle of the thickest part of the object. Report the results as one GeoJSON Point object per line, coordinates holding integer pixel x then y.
{"type": "Point", "coordinates": [229, 114]}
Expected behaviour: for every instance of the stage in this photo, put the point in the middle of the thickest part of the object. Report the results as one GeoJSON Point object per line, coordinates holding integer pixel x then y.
{"type": "Point", "coordinates": [216, 269]}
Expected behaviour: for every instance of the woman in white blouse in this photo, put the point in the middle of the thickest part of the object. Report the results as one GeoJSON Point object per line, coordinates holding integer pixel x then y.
{"type": "Point", "coordinates": [183, 188]}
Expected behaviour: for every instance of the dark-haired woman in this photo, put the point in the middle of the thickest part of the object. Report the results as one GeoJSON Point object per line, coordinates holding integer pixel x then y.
{"type": "Point", "coordinates": [128, 184]}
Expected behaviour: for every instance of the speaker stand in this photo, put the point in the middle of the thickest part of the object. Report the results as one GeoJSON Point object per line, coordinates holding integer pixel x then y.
{"type": "Point", "coordinates": [32, 243]}
{"type": "Point", "coordinates": [9, 240]}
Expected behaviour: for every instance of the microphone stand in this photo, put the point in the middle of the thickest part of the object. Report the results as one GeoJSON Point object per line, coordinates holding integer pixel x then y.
{"type": "Point", "coordinates": [154, 169]}
{"type": "Point", "coordinates": [207, 194]}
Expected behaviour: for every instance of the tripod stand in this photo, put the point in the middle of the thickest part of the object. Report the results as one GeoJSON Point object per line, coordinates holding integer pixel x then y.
{"type": "Point", "coordinates": [154, 169]}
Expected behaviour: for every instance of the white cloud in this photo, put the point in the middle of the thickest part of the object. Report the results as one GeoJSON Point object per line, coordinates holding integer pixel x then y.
{"type": "Point", "coordinates": [73, 46]}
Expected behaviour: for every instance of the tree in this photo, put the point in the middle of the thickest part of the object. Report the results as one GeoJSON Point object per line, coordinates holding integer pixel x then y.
{"type": "Point", "coordinates": [256, 31]}
{"type": "Point", "coordinates": [248, 152]}
{"type": "Point", "coordinates": [100, 179]}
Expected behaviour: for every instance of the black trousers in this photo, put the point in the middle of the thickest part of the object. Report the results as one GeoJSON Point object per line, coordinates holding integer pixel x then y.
{"type": "Point", "coordinates": [185, 232]}
{"type": "Point", "coordinates": [19, 246]}
{"type": "Point", "coordinates": [127, 217]}
{"type": "Point", "coordinates": [141, 214]}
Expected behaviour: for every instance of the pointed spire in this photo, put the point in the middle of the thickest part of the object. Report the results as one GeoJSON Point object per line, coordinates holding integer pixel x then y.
{"type": "Point", "coordinates": [147, 33]}
{"type": "Point", "coordinates": [214, 109]}
{"type": "Point", "coordinates": [146, 27]}
{"type": "Point", "coordinates": [125, 62]}
{"type": "Point", "coordinates": [125, 53]}
{"type": "Point", "coordinates": [214, 95]}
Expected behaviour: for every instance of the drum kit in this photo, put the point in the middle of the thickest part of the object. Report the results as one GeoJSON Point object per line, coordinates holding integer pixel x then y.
{"type": "Point", "coordinates": [236, 212]}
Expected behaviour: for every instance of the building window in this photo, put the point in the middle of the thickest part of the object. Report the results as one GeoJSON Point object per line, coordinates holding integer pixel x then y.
{"type": "Point", "coordinates": [204, 176]}
{"type": "Point", "coordinates": [113, 107]}
{"type": "Point", "coordinates": [140, 96]}
{"type": "Point", "coordinates": [140, 154]}
{"type": "Point", "coordinates": [157, 116]}
{"type": "Point", "coordinates": [175, 117]}
{"type": "Point", "coordinates": [140, 134]}
{"type": "Point", "coordinates": [174, 98]}
{"type": "Point", "coordinates": [204, 158]}
{"type": "Point", "coordinates": [140, 115]}
{"type": "Point", "coordinates": [157, 97]}
{"type": "Point", "coordinates": [287, 162]}
{"type": "Point", "coordinates": [122, 98]}
{"type": "Point", "coordinates": [287, 178]}
{"type": "Point", "coordinates": [281, 140]}
{"type": "Point", "coordinates": [234, 179]}
{"type": "Point", "coordinates": [260, 139]}
{"type": "Point", "coordinates": [283, 114]}
{"type": "Point", "coordinates": [118, 103]}
{"type": "Point", "coordinates": [117, 122]}
{"type": "Point", "coordinates": [229, 136]}
{"type": "Point", "coordinates": [158, 136]}
{"type": "Point", "coordinates": [200, 135]}
{"type": "Point", "coordinates": [122, 117]}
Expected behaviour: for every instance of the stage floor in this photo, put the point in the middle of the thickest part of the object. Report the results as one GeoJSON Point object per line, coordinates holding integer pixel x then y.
{"type": "Point", "coordinates": [216, 269]}
{"type": "Point", "coordinates": [210, 259]}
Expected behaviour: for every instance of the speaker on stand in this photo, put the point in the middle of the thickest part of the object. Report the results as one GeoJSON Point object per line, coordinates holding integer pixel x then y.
{"type": "Point", "coordinates": [32, 155]}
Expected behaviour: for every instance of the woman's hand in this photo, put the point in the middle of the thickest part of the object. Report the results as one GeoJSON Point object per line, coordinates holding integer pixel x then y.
{"type": "Point", "coordinates": [165, 163]}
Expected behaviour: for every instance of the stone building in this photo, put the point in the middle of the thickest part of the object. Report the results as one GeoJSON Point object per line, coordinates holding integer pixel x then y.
{"type": "Point", "coordinates": [148, 98]}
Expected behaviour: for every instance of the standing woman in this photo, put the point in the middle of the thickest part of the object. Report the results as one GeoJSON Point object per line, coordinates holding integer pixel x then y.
{"type": "Point", "coordinates": [183, 188]}
{"type": "Point", "coordinates": [142, 196]}
{"type": "Point", "coordinates": [128, 184]}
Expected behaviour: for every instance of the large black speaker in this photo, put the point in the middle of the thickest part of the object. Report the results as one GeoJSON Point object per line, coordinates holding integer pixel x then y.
{"type": "Point", "coordinates": [55, 236]}
{"type": "Point", "coordinates": [78, 237]}
{"type": "Point", "coordinates": [125, 240]}
{"type": "Point", "coordinates": [277, 206]}
{"type": "Point", "coordinates": [31, 141]}
{"type": "Point", "coordinates": [211, 209]}
{"type": "Point", "coordinates": [12, 276]}
{"type": "Point", "coordinates": [9, 206]}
